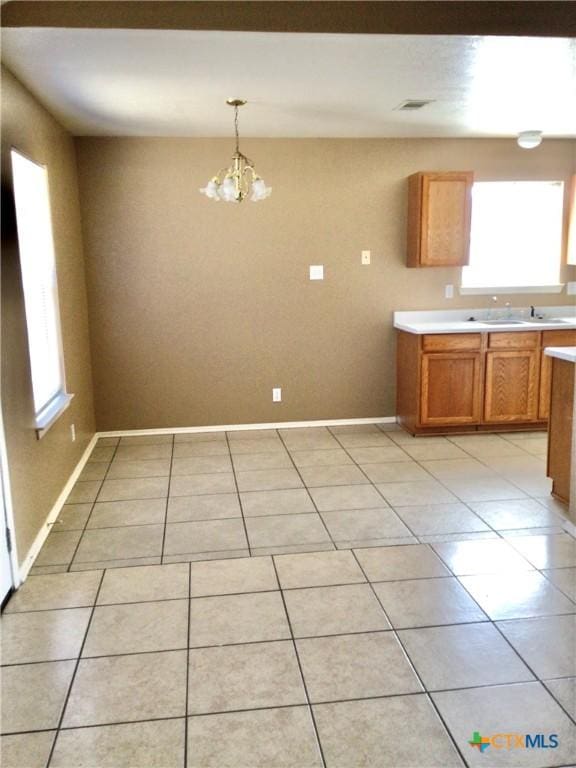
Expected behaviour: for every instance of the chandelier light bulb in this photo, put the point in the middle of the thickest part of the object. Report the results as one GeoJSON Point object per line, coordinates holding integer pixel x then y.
{"type": "Point", "coordinates": [529, 139]}
{"type": "Point", "coordinates": [240, 180]}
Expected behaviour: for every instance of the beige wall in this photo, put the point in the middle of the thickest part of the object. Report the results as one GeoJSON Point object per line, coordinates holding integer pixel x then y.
{"type": "Point", "coordinates": [197, 309]}
{"type": "Point", "coordinates": [39, 469]}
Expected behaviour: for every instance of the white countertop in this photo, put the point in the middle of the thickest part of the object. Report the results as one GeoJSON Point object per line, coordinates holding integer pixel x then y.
{"type": "Point", "coordinates": [457, 320]}
{"type": "Point", "coordinates": [563, 353]}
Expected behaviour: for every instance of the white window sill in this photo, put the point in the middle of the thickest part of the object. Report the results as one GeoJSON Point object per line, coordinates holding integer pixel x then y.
{"type": "Point", "coordinates": [51, 413]}
{"type": "Point", "coordinates": [466, 290]}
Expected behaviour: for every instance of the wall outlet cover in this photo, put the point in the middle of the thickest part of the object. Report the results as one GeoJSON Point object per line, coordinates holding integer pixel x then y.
{"type": "Point", "coordinates": [449, 291]}
{"type": "Point", "coordinates": [366, 255]}
{"type": "Point", "coordinates": [276, 394]}
{"type": "Point", "coordinates": [316, 272]}
{"type": "Point", "coordinates": [571, 288]}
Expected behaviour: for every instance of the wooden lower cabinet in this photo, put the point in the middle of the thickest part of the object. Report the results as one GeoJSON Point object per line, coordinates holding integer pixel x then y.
{"type": "Point", "coordinates": [560, 428]}
{"type": "Point", "coordinates": [511, 386]}
{"type": "Point", "coordinates": [451, 388]}
{"type": "Point", "coordinates": [550, 339]}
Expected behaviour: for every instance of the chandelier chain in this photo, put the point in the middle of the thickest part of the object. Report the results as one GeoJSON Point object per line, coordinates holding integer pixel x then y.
{"type": "Point", "coordinates": [236, 129]}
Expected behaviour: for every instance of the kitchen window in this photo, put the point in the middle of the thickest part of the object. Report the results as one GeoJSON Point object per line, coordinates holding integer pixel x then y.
{"type": "Point", "coordinates": [516, 237]}
{"type": "Point", "coordinates": [38, 267]}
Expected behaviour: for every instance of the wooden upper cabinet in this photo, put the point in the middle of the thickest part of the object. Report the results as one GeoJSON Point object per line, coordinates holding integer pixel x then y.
{"type": "Point", "coordinates": [439, 216]}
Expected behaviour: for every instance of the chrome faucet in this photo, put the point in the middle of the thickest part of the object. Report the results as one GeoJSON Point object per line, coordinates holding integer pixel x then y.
{"type": "Point", "coordinates": [532, 311]}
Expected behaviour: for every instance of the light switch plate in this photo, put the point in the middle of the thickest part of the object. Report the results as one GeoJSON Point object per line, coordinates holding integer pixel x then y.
{"type": "Point", "coordinates": [571, 288]}
{"type": "Point", "coordinates": [449, 291]}
{"type": "Point", "coordinates": [276, 394]}
{"type": "Point", "coordinates": [316, 272]}
{"type": "Point", "coordinates": [366, 257]}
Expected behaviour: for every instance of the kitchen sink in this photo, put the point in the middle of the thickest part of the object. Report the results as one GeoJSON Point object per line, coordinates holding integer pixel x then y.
{"type": "Point", "coordinates": [502, 322]}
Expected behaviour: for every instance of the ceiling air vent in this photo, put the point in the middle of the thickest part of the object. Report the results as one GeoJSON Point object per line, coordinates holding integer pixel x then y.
{"type": "Point", "coordinates": [413, 104]}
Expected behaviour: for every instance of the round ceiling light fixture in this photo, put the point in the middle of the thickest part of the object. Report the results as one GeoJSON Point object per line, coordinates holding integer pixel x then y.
{"type": "Point", "coordinates": [529, 139]}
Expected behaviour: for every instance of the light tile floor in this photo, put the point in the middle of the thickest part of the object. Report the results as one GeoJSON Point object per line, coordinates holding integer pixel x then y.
{"type": "Point", "coordinates": [305, 597]}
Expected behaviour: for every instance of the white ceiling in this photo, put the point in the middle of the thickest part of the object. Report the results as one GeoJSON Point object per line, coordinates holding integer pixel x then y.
{"type": "Point", "coordinates": [175, 83]}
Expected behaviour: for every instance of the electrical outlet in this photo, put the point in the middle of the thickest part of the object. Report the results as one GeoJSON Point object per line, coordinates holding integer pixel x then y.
{"type": "Point", "coordinates": [571, 288]}
{"type": "Point", "coordinates": [449, 291]}
{"type": "Point", "coordinates": [316, 272]}
{"type": "Point", "coordinates": [366, 257]}
{"type": "Point", "coordinates": [73, 432]}
{"type": "Point", "coordinates": [277, 395]}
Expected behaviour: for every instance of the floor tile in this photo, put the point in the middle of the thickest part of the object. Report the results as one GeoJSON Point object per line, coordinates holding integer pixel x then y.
{"type": "Point", "coordinates": [140, 584]}
{"type": "Point", "coordinates": [143, 452]}
{"type": "Point", "coordinates": [519, 513]}
{"type": "Point", "coordinates": [33, 695]}
{"type": "Point", "coordinates": [58, 590]}
{"type": "Point", "coordinates": [329, 458]}
{"type": "Point", "coordinates": [486, 446]}
{"type": "Point", "coordinates": [111, 514]}
{"type": "Point", "coordinates": [564, 579]}
{"type": "Point", "coordinates": [292, 501]}
{"type": "Point", "coordinates": [415, 561]}
{"type": "Point", "coordinates": [438, 538]}
{"type": "Point", "coordinates": [73, 517]}
{"type": "Point", "coordinates": [84, 492]}
{"type": "Point", "coordinates": [209, 507]}
{"type": "Point", "coordinates": [459, 469]}
{"type": "Point", "coordinates": [244, 677]}
{"type": "Point", "coordinates": [290, 549]}
{"type": "Point", "coordinates": [355, 666]}
{"type": "Point", "coordinates": [462, 656]}
{"type": "Point", "coordinates": [146, 440]}
{"type": "Point", "coordinates": [318, 569]}
{"type": "Point", "coordinates": [192, 485]}
{"type": "Point", "coordinates": [384, 732]}
{"type": "Point", "coordinates": [117, 689]}
{"type": "Point", "coordinates": [564, 691]}
{"type": "Point", "coordinates": [517, 595]}
{"type": "Point", "coordinates": [95, 470]}
{"type": "Point", "coordinates": [264, 445]}
{"type": "Point", "coordinates": [302, 442]}
{"type": "Point", "coordinates": [316, 477]}
{"type": "Point", "coordinates": [547, 551]}
{"type": "Point", "coordinates": [249, 461]}
{"type": "Point", "coordinates": [395, 472]}
{"type": "Point", "coordinates": [120, 469]}
{"type": "Point", "coordinates": [427, 602]}
{"type": "Point", "coordinates": [280, 530]}
{"type": "Point", "coordinates": [107, 441]}
{"type": "Point", "coordinates": [490, 489]}
{"type": "Point", "coordinates": [346, 497]}
{"type": "Point", "coordinates": [266, 738]}
{"type": "Point", "coordinates": [436, 450]}
{"type": "Point", "coordinates": [466, 558]}
{"type": "Point", "coordinates": [255, 574]}
{"type": "Point", "coordinates": [43, 635]}
{"type": "Point", "coordinates": [361, 524]}
{"type": "Point", "coordinates": [387, 542]}
{"type": "Point", "coordinates": [58, 548]}
{"type": "Point", "coordinates": [525, 709]}
{"type": "Point", "coordinates": [138, 488]}
{"type": "Point", "coordinates": [146, 745]}
{"type": "Point", "coordinates": [204, 536]}
{"type": "Point", "coordinates": [546, 644]}
{"type": "Point", "coordinates": [130, 562]}
{"type": "Point", "coordinates": [137, 628]}
{"type": "Point", "coordinates": [364, 440]}
{"type": "Point", "coordinates": [514, 532]}
{"type": "Point", "coordinates": [120, 543]}
{"type": "Point", "coordinates": [193, 557]}
{"type": "Point", "coordinates": [237, 619]}
{"type": "Point", "coordinates": [201, 448]}
{"type": "Point", "coordinates": [200, 437]}
{"type": "Point", "coordinates": [441, 518]}
{"type": "Point", "coordinates": [357, 429]}
{"type": "Point", "coordinates": [318, 611]}
{"type": "Point", "coordinates": [102, 453]}
{"type": "Point", "coordinates": [268, 479]}
{"type": "Point", "coordinates": [29, 750]}
{"type": "Point", "coordinates": [201, 465]}
{"type": "Point", "coordinates": [378, 454]}
{"type": "Point", "coordinates": [415, 493]}
{"type": "Point", "coordinates": [251, 434]}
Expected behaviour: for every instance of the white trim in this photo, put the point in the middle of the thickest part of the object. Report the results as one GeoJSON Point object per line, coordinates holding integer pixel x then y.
{"type": "Point", "coordinates": [238, 427]}
{"type": "Point", "coordinates": [8, 508]}
{"type": "Point", "coordinates": [34, 550]}
{"type": "Point", "coordinates": [473, 290]}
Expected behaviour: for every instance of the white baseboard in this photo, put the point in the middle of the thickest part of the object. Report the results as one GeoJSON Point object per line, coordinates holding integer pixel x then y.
{"type": "Point", "coordinates": [34, 550]}
{"type": "Point", "coordinates": [237, 427]}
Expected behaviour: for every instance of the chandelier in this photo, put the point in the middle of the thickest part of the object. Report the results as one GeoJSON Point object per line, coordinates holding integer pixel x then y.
{"type": "Point", "coordinates": [240, 180]}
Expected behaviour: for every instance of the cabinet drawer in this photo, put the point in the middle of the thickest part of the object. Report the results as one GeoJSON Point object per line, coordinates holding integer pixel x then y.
{"type": "Point", "coordinates": [515, 340]}
{"type": "Point", "coordinates": [559, 338]}
{"type": "Point", "coordinates": [451, 342]}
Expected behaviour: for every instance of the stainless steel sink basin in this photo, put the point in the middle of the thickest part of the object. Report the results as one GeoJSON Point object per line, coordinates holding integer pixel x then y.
{"type": "Point", "coordinates": [502, 322]}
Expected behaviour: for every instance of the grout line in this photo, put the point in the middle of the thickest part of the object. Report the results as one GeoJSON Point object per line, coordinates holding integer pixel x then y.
{"type": "Point", "coordinates": [75, 671]}
{"type": "Point", "coordinates": [167, 500]}
{"type": "Point", "coordinates": [412, 665]}
{"type": "Point", "coordinates": [295, 647]}
{"type": "Point", "coordinates": [187, 667]}
{"type": "Point", "coordinates": [238, 496]}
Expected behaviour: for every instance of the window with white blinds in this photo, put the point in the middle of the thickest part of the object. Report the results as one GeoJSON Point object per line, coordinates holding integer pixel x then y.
{"type": "Point", "coordinates": [38, 266]}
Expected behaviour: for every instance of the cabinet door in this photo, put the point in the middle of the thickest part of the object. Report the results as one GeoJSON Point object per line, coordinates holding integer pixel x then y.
{"type": "Point", "coordinates": [446, 216]}
{"type": "Point", "coordinates": [511, 390]}
{"type": "Point", "coordinates": [451, 388]}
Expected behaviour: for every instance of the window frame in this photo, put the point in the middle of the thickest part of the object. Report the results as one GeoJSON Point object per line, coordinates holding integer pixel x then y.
{"type": "Point", "coordinates": [49, 412]}
{"type": "Point", "coordinates": [553, 288]}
